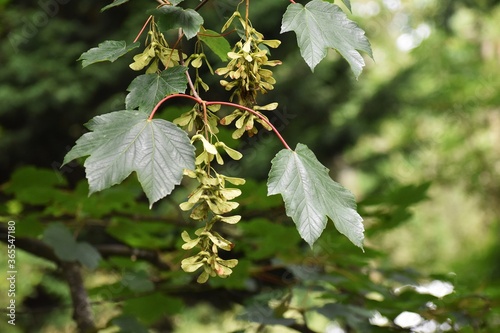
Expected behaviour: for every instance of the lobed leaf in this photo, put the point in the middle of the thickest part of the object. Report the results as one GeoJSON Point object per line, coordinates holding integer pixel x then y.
{"type": "Point", "coordinates": [320, 25]}
{"type": "Point", "coordinates": [310, 196]}
{"type": "Point", "coordinates": [148, 89]}
{"type": "Point", "coordinates": [109, 50]}
{"type": "Point", "coordinates": [171, 17]}
{"type": "Point", "coordinates": [125, 141]}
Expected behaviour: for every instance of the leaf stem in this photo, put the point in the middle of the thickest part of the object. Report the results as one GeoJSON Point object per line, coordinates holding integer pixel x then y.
{"type": "Point", "coordinates": [181, 61]}
{"type": "Point", "coordinates": [143, 27]}
{"type": "Point", "coordinates": [241, 107]}
{"type": "Point", "coordinates": [247, 9]}
{"type": "Point", "coordinates": [196, 99]}
{"type": "Point", "coordinates": [205, 118]}
{"type": "Point", "coordinates": [234, 105]}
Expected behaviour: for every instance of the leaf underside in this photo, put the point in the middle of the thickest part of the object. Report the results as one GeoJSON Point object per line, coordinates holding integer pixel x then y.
{"type": "Point", "coordinates": [148, 89]}
{"type": "Point", "coordinates": [320, 25]}
{"type": "Point", "coordinates": [109, 50]}
{"type": "Point", "coordinates": [310, 196]}
{"type": "Point", "coordinates": [125, 141]}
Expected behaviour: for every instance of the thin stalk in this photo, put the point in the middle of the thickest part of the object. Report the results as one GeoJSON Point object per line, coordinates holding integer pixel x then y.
{"type": "Point", "coordinates": [205, 121]}
{"type": "Point", "coordinates": [181, 61]}
{"type": "Point", "coordinates": [143, 27]}
{"type": "Point", "coordinates": [241, 107]}
{"type": "Point", "coordinates": [201, 5]}
{"type": "Point", "coordinates": [247, 9]}
{"type": "Point", "coordinates": [197, 100]}
{"type": "Point", "coordinates": [234, 105]}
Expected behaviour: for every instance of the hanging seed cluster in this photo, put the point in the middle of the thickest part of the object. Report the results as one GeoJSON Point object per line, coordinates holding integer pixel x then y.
{"type": "Point", "coordinates": [212, 201]}
{"type": "Point", "coordinates": [246, 76]}
{"type": "Point", "coordinates": [156, 52]}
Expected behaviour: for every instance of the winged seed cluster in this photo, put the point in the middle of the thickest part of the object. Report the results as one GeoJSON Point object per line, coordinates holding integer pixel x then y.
{"type": "Point", "coordinates": [212, 199]}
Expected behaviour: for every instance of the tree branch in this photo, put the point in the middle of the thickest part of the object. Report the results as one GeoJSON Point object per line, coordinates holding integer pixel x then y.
{"type": "Point", "coordinates": [31, 245]}
{"type": "Point", "coordinates": [201, 5]}
{"type": "Point", "coordinates": [107, 250]}
{"type": "Point", "coordinates": [40, 249]}
{"type": "Point", "coordinates": [82, 310]}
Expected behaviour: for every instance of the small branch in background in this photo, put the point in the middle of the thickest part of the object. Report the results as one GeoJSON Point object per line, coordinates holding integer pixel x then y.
{"type": "Point", "coordinates": [143, 28]}
{"type": "Point", "coordinates": [181, 61]}
{"type": "Point", "coordinates": [152, 257]}
{"type": "Point", "coordinates": [31, 245]}
{"type": "Point", "coordinates": [201, 5]}
{"type": "Point", "coordinates": [82, 310]}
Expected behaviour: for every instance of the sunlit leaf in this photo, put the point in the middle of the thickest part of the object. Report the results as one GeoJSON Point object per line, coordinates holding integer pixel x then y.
{"type": "Point", "coordinates": [310, 196]}
{"type": "Point", "coordinates": [125, 141]}
{"type": "Point", "coordinates": [320, 25]}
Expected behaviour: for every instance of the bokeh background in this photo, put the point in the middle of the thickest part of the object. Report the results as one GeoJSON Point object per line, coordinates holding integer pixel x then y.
{"type": "Point", "coordinates": [416, 138]}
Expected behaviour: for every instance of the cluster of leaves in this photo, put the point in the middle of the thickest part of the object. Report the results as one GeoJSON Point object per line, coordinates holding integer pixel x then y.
{"type": "Point", "coordinates": [335, 281]}
{"type": "Point", "coordinates": [160, 153]}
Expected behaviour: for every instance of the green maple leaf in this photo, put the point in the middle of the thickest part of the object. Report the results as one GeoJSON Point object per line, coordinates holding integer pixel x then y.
{"type": "Point", "coordinates": [310, 196]}
{"type": "Point", "coordinates": [217, 43]}
{"type": "Point", "coordinates": [113, 4]}
{"type": "Point", "coordinates": [125, 141]}
{"type": "Point", "coordinates": [109, 50]}
{"type": "Point", "coordinates": [320, 25]}
{"type": "Point", "coordinates": [171, 17]}
{"type": "Point", "coordinates": [148, 89]}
